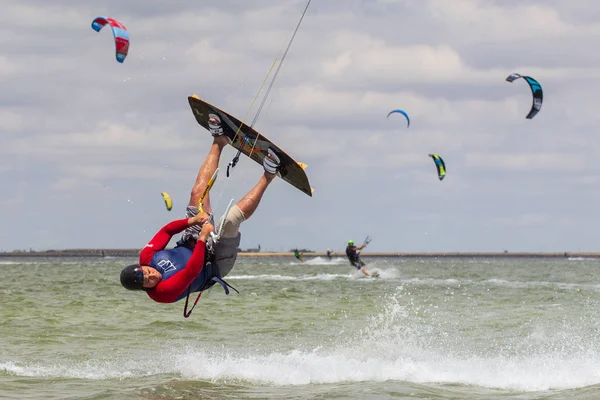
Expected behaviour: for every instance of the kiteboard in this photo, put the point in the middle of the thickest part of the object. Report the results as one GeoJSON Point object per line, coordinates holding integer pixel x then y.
{"type": "Point", "coordinates": [251, 143]}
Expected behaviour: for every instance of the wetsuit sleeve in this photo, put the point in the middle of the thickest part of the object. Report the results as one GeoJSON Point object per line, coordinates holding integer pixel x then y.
{"type": "Point", "coordinates": [169, 290]}
{"type": "Point", "coordinates": [161, 239]}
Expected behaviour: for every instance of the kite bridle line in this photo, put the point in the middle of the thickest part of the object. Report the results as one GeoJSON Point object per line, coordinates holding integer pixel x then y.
{"type": "Point", "coordinates": [233, 163]}
{"type": "Point", "coordinates": [277, 71]}
{"type": "Point", "coordinates": [209, 185]}
{"type": "Point", "coordinates": [237, 156]}
{"type": "Point", "coordinates": [235, 160]}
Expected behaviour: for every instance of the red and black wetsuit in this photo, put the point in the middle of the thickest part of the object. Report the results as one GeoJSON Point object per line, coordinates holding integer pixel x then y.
{"type": "Point", "coordinates": [180, 267]}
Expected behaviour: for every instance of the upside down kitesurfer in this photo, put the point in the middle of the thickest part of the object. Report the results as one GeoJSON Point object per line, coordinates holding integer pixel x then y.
{"type": "Point", "coordinates": [197, 262]}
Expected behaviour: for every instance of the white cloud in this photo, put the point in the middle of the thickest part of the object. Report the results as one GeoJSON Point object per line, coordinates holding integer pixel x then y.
{"type": "Point", "coordinates": [378, 60]}
{"type": "Point", "coordinates": [495, 22]}
{"type": "Point", "coordinates": [88, 132]}
{"type": "Point", "coordinates": [28, 16]}
{"type": "Point", "coordinates": [7, 68]}
{"type": "Point", "coordinates": [11, 121]}
{"type": "Point", "coordinates": [548, 162]}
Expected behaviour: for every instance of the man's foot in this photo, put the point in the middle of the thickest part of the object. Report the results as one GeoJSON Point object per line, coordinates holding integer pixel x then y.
{"type": "Point", "coordinates": [214, 125]}
{"type": "Point", "coordinates": [222, 140]}
{"type": "Point", "coordinates": [271, 162]}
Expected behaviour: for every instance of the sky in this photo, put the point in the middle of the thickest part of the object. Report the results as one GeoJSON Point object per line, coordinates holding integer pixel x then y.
{"type": "Point", "coordinates": [89, 144]}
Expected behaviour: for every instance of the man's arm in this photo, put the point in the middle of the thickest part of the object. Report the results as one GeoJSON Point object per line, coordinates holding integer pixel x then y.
{"type": "Point", "coordinates": [169, 290]}
{"type": "Point", "coordinates": [162, 237]}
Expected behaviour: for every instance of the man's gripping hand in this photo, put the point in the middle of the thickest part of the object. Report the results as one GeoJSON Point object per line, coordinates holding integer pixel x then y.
{"type": "Point", "coordinates": [207, 228]}
{"type": "Point", "coordinates": [199, 219]}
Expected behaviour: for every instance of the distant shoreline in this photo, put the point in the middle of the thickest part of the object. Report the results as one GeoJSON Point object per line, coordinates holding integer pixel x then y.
{"type": "Point", "coordinates": [100, 253]}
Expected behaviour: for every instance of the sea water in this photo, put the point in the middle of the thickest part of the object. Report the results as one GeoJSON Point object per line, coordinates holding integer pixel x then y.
{"type": "Point", "coordinates": [426, 328]}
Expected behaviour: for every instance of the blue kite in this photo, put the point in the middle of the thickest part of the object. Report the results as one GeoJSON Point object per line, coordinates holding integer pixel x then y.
{"type": "Point", "coordinates": [400, 112]}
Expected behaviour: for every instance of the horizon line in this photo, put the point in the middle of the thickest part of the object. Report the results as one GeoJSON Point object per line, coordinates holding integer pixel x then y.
{"type": "Point", "coordinates": [91, 252]}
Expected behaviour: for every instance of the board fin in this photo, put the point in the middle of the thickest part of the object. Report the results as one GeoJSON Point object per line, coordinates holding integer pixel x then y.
{"type": "Point", "coordinates": [302, 165]}
{"type": "Point", "coordinates": [312, 190]}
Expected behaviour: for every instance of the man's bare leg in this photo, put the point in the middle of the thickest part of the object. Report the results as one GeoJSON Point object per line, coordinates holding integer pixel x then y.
{"type": "Point", "coordinates": [206, 171]}
{"type": "Point", "coordinates": [250, 201]}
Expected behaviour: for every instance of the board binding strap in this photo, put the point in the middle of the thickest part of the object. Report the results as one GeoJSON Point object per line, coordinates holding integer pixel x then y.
{"type": "Point", "coordinates": [251, 143]}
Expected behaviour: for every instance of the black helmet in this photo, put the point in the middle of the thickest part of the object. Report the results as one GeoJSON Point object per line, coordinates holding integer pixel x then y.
{"type": "Point", "coordinates": [132, 277]}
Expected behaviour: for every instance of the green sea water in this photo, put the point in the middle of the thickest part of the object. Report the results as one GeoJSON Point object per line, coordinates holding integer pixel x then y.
{"type": "Point", "coordinates": [426, 329]}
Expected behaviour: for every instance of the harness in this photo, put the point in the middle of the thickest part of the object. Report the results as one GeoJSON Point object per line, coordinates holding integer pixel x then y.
{"type": "Point", "coordinates": [209, 262]}
{"type": "Point", "coordinates": [351, 254]}
{"type": "Point", "coordinates": [218, 278]}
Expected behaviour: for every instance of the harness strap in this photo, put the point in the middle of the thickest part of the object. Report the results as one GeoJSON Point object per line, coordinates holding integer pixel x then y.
{"type": "Point", "coordinates": [186, 314]}
{"type": "Point", "coordinates": [225, 285]}
{"type": "Point", "coordinates": [218, 279]}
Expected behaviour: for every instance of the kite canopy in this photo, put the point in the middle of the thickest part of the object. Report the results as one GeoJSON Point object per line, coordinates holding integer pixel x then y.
{"type": "Point", "coordinates": [168, 201]}
{"type": "Point", "coordinates": [119, 32]}
{"type": "Point", "coordinates": [400, 112]}
{"type": "Point", "coordinates": [536, 91]}
{"type": "Point", "coordinates": [440, 165]}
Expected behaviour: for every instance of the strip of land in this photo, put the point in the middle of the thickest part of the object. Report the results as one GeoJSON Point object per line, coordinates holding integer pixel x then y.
{"type": "Point", "coordinates": [100, 253]}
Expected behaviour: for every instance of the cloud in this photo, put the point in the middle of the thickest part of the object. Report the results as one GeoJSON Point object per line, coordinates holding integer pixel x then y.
{"type": "Point", "coordinates": [547, 162]}
{"type": "Point", "coordinates": [11, 121]}
{"type": "Point", "coordinates": [494, 22]}
{"type": "Point", "coordinates": [84, 132]}
{"type": "Point", "coordinates": [6, 68]}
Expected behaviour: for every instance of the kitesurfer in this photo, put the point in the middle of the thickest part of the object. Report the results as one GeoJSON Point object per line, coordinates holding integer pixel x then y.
{"type": "Point", "coordinates": [353, 254]}
{"type": "Point", "coordinates": [197, 262]}
{"type": "Point", "coordinates": [298, 255]}
{"type": "Point", "coordinates": [329, 254]}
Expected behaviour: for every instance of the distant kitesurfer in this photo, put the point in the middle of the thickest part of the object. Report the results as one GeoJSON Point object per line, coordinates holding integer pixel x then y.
{"type": "Point", "coordinates": [298, 255]}
{"type": "Point", "coordinates": [353, 253]}
{"type": "Point", "coordinates": [197, 262]}
{"type": "Point", "coordinates": [329, 254]}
